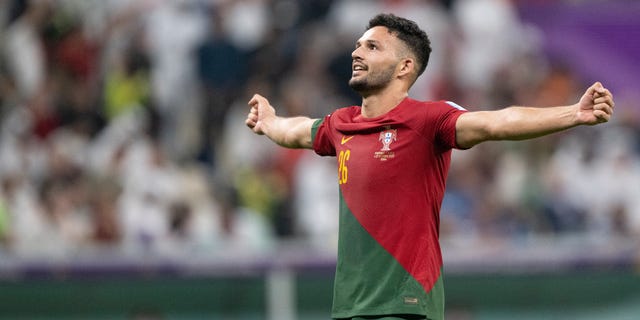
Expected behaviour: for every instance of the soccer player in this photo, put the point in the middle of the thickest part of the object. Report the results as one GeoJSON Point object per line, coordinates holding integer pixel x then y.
{"type": "Point", "coordinates": [393, 156]}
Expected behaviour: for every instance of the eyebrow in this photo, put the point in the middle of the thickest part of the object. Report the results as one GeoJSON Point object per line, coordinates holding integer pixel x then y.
{"type": "Point", "coordinates": [369, 41]}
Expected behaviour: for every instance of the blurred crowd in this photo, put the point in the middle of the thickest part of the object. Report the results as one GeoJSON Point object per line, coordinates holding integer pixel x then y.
{"type": "Point", "coordinates": [122, 125]}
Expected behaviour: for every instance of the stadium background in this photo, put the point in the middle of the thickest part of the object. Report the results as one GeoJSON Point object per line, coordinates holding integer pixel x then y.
{"type": "Point", "coordinates": [130, 188]}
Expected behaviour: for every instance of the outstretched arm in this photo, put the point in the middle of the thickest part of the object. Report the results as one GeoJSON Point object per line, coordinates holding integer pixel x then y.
{"type": "Point", "coordinates": [292, 132]}
{"type": "Point", "coordinates": [519, 123]}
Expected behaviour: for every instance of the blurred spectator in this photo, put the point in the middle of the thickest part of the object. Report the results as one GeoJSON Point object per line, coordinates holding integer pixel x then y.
{"type": "Point", "coordinates": [172, 32]}
{"type": "Point", "coordinates": [102, 202]}
{"type": "Point", "coordinates": [221, 71]}
{"type": "Point", "coordinates": [491, 37]}
{"type": "Point", "coordinates": [24, 46]}
{"type": "Point", "coordinates": [123, 126]}
{"type": "Point", "coordinates": [127, 84]}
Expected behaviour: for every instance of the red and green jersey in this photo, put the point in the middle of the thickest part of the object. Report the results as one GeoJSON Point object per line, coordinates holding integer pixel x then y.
{"type": "Point", "coordinates": [391, 172]}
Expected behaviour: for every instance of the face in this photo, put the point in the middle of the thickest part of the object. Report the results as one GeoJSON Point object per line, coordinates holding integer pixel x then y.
{"type": "Point", "coordinates": [374, 60]}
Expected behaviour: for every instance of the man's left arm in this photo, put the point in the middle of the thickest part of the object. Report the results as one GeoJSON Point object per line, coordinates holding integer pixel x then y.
{"type": "Point", "coordinates": [520, 123]}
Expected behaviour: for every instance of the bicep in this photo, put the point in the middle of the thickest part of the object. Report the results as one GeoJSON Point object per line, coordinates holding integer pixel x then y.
{"type": "Point", "coordinates": [299, 133]}
{"type": "Point", "coordinates": [475, 127]}
{"type": "Point", "coordinates": [513, 123]}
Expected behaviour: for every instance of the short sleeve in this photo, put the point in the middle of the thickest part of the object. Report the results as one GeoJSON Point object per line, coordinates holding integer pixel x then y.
{"type": "Point", "coordinates": [321, 137]}
{"type": "Point", "coordinates": [446, 124]}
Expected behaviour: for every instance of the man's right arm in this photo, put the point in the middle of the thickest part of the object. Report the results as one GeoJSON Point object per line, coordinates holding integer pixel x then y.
{"type": "Point", "coordinates": [294, 132]}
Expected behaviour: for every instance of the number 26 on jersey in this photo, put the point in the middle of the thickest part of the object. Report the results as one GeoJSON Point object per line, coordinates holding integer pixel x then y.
{"type": "Point", "coordinates": [343, 172]}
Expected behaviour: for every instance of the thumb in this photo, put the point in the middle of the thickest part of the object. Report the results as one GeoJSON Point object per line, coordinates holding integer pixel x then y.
{"type": "Point", "coordinates": [254, 101]}
{"type": "Point", "coordinates": [258, 100]}
{"type": "Point", "coordinates": [598, 87]}
{"type": "Point", "coordinates": [591, 93]}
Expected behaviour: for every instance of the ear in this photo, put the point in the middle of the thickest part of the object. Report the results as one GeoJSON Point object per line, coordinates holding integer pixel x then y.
{"type": "Point", "coordinates": [406, 67]}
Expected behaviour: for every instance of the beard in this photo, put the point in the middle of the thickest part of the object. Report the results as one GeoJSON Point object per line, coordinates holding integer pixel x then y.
{"type": "Point", "coordinates": [372, 82]}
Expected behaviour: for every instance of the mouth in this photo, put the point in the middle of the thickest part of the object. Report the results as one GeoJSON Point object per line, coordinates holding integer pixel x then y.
{"type": "Point", "coordinates": [358, 67]}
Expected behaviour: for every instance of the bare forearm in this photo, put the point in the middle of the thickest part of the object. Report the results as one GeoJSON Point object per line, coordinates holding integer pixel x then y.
{"type": "Point", "coordinates": [292, 132]}
{"type": "Point", "coordinates": [519, 123]}
{"type": "Point", "coordinates": [513, 123]}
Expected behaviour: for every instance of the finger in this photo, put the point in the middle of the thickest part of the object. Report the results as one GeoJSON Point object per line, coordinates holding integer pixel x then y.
{"type": "Point", "coordinates": [601, 115]}
{"type": "Point", "coordinates": [602, 112]}
{"type": "Point", "coordinates": [609, 96]}
{"type": "Point", "coordinates": [604, 108]}
{"type": "Point", "coordinates": [252, 115]}
{"type": "Point", "coordinates": [598, 90]}
{"type": "Point", "coordinates": [607, 99]}
{"type": "Point", "coordinates": [602, 99]}
{"type": "Point", "coordinates": [605, 93]}
{"type": "Point", "coordinates": [250, 123]}
{"type": "Point", "coordinates": [602, 93]}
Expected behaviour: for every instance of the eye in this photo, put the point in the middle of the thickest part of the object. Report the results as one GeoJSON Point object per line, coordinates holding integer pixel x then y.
{"type": "Point", "coordinates": [373, 47]}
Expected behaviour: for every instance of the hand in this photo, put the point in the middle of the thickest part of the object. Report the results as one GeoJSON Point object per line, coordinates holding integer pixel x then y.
{"type": "Point", "coordinates": [260, 111]}
{"type": "Point", "coordinates": [596, 105]}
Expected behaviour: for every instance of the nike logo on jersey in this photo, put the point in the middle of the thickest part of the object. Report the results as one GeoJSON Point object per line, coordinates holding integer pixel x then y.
{"type": "Point", "coordinates": [345, 139]}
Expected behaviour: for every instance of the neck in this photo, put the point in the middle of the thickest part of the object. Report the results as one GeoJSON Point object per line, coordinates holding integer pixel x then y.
{"type": "Point", "coordinates": [375, 105]}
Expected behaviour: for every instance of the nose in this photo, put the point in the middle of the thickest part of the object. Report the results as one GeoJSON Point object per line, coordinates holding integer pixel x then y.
{"type": "Point", "coordinates": [355, 54]}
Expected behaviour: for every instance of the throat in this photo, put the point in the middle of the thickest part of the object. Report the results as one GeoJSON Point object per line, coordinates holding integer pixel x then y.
{"type": "Point", "coordinates": [375, 106]}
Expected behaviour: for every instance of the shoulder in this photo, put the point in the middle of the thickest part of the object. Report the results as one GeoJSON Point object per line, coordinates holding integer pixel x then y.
{"type": "Point", "coordinates": [345, 114]}
{"type": "Point", "coordinates": [453, 105]}
{"type": "Point", "coordinates": [348, 111]}
{"type": "Point", "coordinates": [444, 105]}
{"type": "Point", "coordinates": [338, 117]}
{"type": "Point", "coordinates": [434, 119]}
{"type": "Point", "coordinates": [431, 109]}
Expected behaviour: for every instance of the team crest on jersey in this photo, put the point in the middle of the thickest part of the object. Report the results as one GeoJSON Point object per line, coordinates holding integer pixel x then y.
{"type": "Point", "coordinates": [387, 137]}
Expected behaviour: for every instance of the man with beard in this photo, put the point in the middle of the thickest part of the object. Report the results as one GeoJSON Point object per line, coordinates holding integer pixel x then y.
{"type": "Point", "coordinates": [393, 156]}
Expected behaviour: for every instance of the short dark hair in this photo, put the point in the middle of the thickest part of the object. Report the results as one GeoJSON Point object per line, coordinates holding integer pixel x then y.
{"type": "Point", "coordinates": [410, 33]}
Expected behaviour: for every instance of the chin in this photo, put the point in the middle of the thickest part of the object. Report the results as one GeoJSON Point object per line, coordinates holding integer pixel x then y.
{"type": "Point", "coordinates": [356, 85]}
{"type": "Point", "coordinates": [358, 81]}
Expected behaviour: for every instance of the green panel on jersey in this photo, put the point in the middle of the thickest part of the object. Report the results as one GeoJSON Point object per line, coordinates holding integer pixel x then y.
{"type": "Point", "coordinates": [314, 128]}
{"type": "Point", "coordinates": [369, 280]}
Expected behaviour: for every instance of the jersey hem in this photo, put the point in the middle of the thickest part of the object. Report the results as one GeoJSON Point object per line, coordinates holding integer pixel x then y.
{"type": "Point", "coordinates": [383, 312]}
